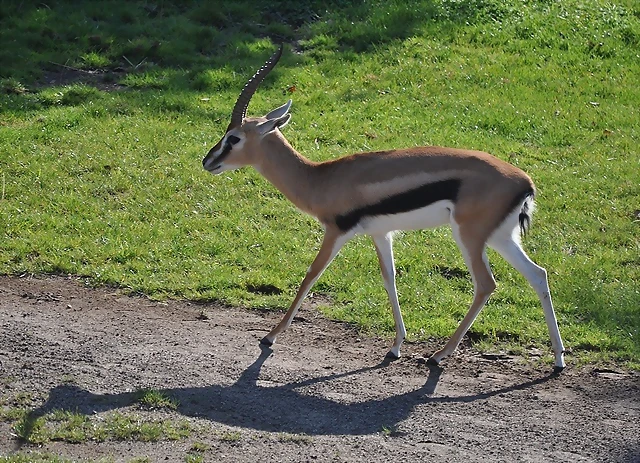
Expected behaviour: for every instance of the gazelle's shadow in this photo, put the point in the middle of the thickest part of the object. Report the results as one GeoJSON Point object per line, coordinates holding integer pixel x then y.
{"type": "Point", "coordinates": [280, 408]}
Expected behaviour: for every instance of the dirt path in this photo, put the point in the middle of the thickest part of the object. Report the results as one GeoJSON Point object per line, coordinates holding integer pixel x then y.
{"type": "Point", "coordinates": [321, 394]}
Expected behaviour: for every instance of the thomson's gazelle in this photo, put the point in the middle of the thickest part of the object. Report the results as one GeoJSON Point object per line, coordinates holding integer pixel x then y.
{"type": "Point", "coordinates": [485, 200]}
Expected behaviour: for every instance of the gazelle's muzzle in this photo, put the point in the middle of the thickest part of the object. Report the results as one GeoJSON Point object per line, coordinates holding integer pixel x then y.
{"type": "Point", "coordinates": [211, 161]}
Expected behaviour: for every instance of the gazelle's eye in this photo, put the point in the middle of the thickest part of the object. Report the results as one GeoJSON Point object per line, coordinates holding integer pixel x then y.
{"type": "Point", "coordinates": [232, 139]}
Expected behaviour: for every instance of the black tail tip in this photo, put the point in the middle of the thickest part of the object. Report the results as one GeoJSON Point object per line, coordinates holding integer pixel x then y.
{"type": "Point", "coordinates": [524, 218]}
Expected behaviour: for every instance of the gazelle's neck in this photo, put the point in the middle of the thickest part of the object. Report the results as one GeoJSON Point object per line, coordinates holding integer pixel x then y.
{"type": "Point", "coordinates": [288, 171]}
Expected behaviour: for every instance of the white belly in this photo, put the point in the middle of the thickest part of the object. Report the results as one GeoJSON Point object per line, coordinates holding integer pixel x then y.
{"type": "Point", "coordinates": [431, 216]}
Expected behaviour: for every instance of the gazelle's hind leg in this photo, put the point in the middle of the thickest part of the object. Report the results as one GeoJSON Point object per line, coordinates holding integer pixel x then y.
{"type": "Point", "coordinates": [472, 247]}
{"type": "Point", "coordinates": [384, 248]}
{"type": "Point", "coordinates": [507, 245]}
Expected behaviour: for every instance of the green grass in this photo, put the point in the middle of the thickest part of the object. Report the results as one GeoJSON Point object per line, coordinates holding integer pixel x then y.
{"type": "Point", "coordinates": [76, 428]}
{"type": "Point", "coordinates": [108, 184]}
{"type": "Point", "coordinates": [34, 457]}
{"type": "Point", "coordinates": [46, 457]}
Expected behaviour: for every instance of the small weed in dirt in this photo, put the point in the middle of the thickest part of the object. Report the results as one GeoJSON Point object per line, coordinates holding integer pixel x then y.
{"type": "Point", "coordinates": [23, 399]}
{"type": "Point", "coordinates": [118, 426]}
{"type": "Point", "coordinates": [31, 429]}
{"type": "Point", "coordinates": [391, 431]}
{"type": "Point", "coordinates": [152, 399]}
{"type": "Point", "coordinates": [230, 437]}
{"type": "Point", "coordinates": [73, 427]}
{"type": "Point", "coordinates": [58, 425]}
{"type": "Point", "coordinates": [68, 379]}
{"type": "Point", "coordinates": [7, 380]}
{"type": "Point", "coordinates": [196, 453]}
{"type": "Point", "coordinates": [199, 447]}
{"type": "Point", "coordinates": [12, 413]}
{"type": "Point", "coordinates": [194, 458]}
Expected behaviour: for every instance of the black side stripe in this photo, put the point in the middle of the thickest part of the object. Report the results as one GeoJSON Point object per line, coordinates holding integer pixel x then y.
{"type": "Point", "coordinates": [402, 202]}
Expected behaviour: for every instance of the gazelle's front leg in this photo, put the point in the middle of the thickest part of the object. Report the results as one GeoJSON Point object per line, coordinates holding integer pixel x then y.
{"type": "Point", "coordinates": [384, 248]}
{"type": "Point", "coordinates": [333, 241]}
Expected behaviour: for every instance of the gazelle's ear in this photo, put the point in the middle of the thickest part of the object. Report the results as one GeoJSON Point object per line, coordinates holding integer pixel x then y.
{"type": "Point", "coordinates": [279, 112]}
{"type": "Point", "coordinates": [272, 124]}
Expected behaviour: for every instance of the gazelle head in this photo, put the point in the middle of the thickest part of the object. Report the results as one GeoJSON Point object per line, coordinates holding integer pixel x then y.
{"type": "Point", "coordinates": [240, 145]}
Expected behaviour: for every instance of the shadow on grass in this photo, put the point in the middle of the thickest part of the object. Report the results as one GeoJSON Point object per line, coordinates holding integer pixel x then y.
{"type": "Point", "coordinates": [62, 41]}
{"type": "Point", "coordinates": [613, 310]}
{"type": "Point", "coordinates": [283, 408]}
{"type": "Point", "coordinates": [165, 54]}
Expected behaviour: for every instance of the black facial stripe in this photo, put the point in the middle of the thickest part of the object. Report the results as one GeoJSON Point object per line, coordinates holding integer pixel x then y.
{"type": "Point", "coordinates": [225, 152]}
{"type": "Point", "coordinates": [402, 202]}
{"type": "Point", "coordinates": [231, 140]}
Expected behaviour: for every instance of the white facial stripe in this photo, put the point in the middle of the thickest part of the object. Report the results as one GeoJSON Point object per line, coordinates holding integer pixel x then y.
{"type": "Point", "coordinates": [227, 147]}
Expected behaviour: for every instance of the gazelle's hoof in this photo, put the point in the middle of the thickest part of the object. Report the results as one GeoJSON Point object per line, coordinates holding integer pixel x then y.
{"type": "Point", "coordinates": [432, 361]}
{"type": "Point", "coordinates": [266, 341]}
{"type": "Point", "coordinates": [559, 362]}
{"type": "Point", "coordinates": [391, 355]}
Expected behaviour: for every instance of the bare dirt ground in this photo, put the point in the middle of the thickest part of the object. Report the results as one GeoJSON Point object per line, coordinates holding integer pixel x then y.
{"type": "Point", "coordinates": [323, 393]}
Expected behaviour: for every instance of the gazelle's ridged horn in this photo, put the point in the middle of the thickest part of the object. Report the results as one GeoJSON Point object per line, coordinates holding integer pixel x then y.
{"type": "Point", "coordinates": [240, 109]}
